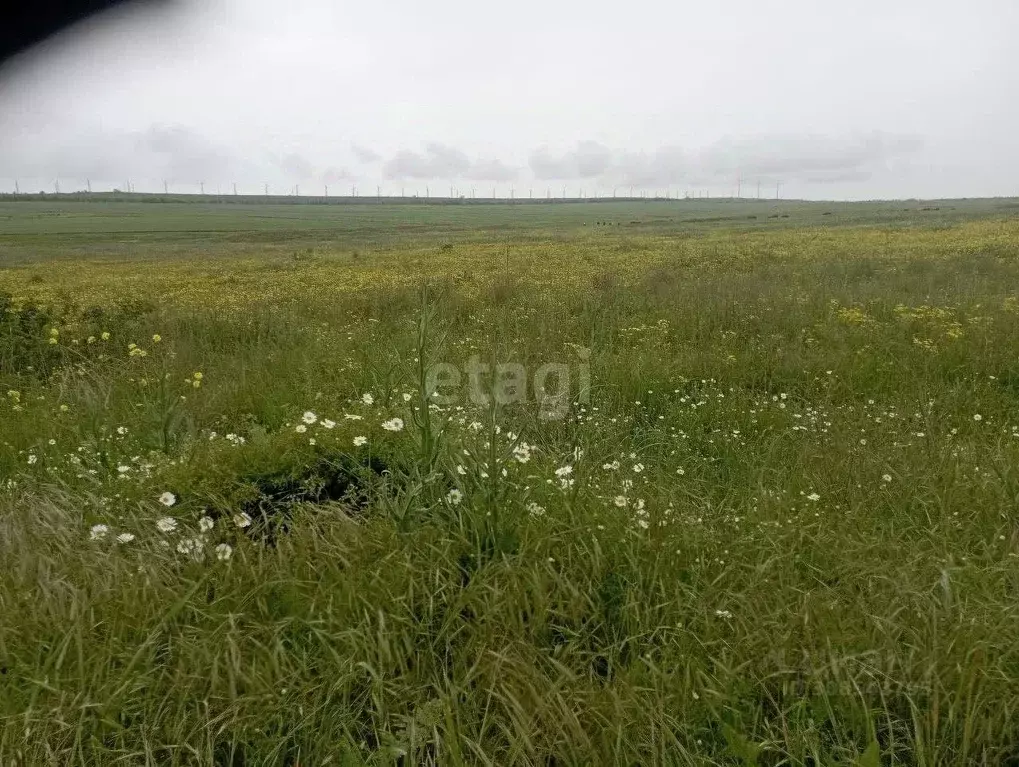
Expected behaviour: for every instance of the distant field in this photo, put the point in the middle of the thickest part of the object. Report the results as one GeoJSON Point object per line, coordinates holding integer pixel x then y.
{"type": "Point", "coordinates": [746, 492]}
{"type": "Point", "coordinates": [56, 224]}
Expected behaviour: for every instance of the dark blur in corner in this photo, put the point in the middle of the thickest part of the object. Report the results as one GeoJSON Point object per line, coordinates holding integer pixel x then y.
{"type": "Point", "coordinates": [26, 23]}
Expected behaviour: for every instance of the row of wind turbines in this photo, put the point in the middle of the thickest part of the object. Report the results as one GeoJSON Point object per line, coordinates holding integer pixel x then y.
{"type": "Point", "coordinates": [456, 192]}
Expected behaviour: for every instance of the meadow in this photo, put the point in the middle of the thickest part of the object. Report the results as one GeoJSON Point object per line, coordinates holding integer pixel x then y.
{"type": "Point", "coordinates": [772, 520]}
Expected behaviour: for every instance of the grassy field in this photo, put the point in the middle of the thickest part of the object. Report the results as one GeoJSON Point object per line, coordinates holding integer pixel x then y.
{"type": "Point", "coordinates": [763, 512]}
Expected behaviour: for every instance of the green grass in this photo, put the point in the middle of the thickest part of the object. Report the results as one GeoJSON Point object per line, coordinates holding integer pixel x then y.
{"type": "Point", "coordinates": [787, 534]}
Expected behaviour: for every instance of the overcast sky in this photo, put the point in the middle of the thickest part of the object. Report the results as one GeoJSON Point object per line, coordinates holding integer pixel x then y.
{"type": "Point", "coordinates": [869, 99]}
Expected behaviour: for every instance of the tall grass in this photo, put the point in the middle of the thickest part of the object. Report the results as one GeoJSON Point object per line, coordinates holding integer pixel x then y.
{"type": "Point", "coordinates": [782, 530]}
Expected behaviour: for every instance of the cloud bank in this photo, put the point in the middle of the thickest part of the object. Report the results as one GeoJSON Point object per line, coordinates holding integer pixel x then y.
{"type": "Point", "coordinates": [810, 158]}
{"type": "Point", "coordinates": [179, 154]}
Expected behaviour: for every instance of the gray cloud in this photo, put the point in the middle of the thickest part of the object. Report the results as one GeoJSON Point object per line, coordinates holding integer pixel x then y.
{"type": "Point", "coordinates": [296, 166]}
{"type": "Point", "coordinates": [793, 155]}
{"type": "Point", "coordinates": [667, 165]}
{"type": "Point", "coordinates": [810, 158]}
{"type": "Point", "coordinates": [179, 154]}
{"type": "Point", "coordinates": [491, 170]}
{"type": "Point", "coordinates": [182, 152]}
{"type": "Point", "coordinates": [588, 160]}
{"type": "Point", "coordinates": [160, 152]}
{"type": "Point", "coordinates": [176, 154]}
{"type": "Point", "coordinates": [441, 161]}
{"type": "Point", "coordinates": [336, 175]}
{"type": "Point", "coordinates": [438, 161]}
{"type": "Point", "coordinates": [365, 154]}
{"type": "Point", "coordinates": [846, 177]}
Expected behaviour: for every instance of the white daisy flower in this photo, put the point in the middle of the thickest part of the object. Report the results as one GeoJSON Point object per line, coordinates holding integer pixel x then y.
{"type": "Point", "coordinates": [98, 532]}
{"type": "Point", "coordinates": [205, 524]}
{"type": "Point", "coordinates": [168, 499]}
{"type": "Point", "coordinates": [393, 424]}
{"type": "Point", "coordinates": [309, 417]}
{"type": "Point", "coordinates": [242, 519]}
{"type": "Point", "coordinates": [166, 524]}
{"type": "Point", "coordinates": [360, 440]}
{"type": "Point", "coordinates": [192, 547]}
{"type": "Point", "coordinates": [224, 551]}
